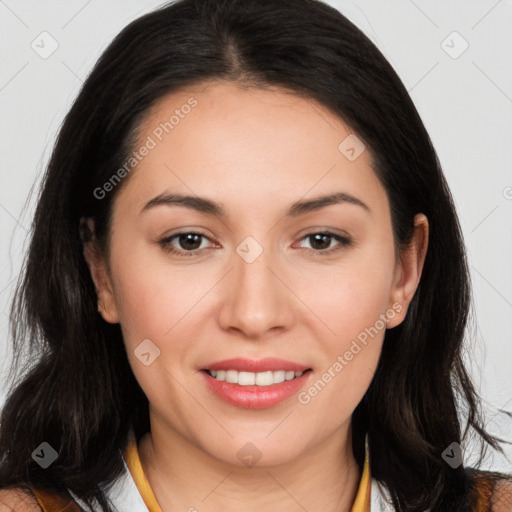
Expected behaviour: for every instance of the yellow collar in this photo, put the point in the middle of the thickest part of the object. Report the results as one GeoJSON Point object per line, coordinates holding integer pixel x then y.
{"type": "Point", "coordinates": [131, 455]}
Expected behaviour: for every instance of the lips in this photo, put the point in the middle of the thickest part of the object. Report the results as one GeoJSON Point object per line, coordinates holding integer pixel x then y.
{"type": "Point", "coordinates": [260, 395]}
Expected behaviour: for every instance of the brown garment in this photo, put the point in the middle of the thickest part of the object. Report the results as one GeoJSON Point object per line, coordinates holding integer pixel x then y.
{"type": "Point", "coordinates": [482, 496]}
{"type": "Point", "coordinates": [53, 502]}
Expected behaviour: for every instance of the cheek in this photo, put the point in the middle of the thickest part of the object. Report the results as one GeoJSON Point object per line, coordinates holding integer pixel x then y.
{"type": "Point", "coordinates": [356, 315]}
{"type": "Point", "coordinates": [351, 296]}
{"type": "Point", "coordinates": [151, 297]}
{"type": "Point", "coordinates": [142, 309]}
{"type": "Point", "coordinates": [352, 301]}
{"type": "Point", "coordinates": [156, 302]}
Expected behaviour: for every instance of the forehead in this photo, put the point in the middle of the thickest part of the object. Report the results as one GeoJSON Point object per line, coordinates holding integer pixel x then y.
{"type": "Point", "coordinates": [249, 145]}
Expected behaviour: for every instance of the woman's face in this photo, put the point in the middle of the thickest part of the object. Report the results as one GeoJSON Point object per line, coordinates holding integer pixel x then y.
{"type": "Point", "coordinates": [253, 282]}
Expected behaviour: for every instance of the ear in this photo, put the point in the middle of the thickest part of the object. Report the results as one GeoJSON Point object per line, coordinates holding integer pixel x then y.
{"type": "Point", "coordinates": [100, 274]}
{"type": "Point", "coordinates": [408, 270]}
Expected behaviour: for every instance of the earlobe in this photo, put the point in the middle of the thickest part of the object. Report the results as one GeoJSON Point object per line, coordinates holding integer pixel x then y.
{"type": "Point", "coordinates": [101, 279]}
{"type": "Point", "coordinates": [410, 268]}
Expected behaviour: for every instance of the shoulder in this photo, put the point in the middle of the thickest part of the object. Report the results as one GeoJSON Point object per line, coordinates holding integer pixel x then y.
{"type": "Point", "coordinates": [502, 496]}
{"type": "Point", "coordinates": [18, 500]}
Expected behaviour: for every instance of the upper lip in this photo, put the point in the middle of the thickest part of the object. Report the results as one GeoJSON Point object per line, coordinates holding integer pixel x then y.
{"type": "Point", "coordinates": [261, 365]}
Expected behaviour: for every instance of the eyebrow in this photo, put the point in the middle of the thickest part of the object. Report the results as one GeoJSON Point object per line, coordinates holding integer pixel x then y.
{"type": "Point", "coordinates": [204, 205]}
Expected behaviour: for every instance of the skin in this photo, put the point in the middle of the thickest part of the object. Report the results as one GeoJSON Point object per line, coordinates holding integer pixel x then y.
{"type": "Point", "coordinates": [255, 152]}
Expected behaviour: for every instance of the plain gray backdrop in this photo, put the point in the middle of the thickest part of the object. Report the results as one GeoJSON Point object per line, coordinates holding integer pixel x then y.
{"type": "Point", "coordinates": [453, 57]}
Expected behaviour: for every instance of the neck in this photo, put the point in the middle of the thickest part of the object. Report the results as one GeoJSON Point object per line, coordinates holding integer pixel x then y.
{"type": "Point", "coordinates": [185, 477]}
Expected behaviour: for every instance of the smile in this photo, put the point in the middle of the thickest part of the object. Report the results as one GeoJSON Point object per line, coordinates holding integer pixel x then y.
{"type": "Point", "coordinates": [255, 390]}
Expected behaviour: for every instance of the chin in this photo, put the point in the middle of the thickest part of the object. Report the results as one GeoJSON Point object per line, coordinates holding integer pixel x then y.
{"type": "Point", "coordinates": [256, 451]}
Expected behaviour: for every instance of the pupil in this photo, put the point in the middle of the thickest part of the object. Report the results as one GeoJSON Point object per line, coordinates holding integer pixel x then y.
{"type": "Point", "coordinates": [319, 236]}
{"type": "Point", "coordinates": [188, 239]}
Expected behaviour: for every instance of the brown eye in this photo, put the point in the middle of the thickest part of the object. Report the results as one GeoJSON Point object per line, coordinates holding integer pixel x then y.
{"type": "Point", "coordinates": [184, 243]}
{"type": "Point", "coordinates": [189, 241]}
{"type": "Point", "coordinates": [320, 243]}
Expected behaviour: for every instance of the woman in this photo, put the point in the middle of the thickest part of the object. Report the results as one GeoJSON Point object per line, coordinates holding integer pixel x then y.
{"type": "Point", "coordinates": [193, 352]}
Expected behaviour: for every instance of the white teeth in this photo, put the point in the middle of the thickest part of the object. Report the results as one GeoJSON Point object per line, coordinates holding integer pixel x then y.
{"type": "Point", "coordinates": [232, 376]}
{"type": "Point", "coordinates": [279, 376]}
{"type": "Point", "coordinates": [250, 378]}
{"type": "Point", "coordinates": [264, 378]}
{"type": "Point", "coordinates": [246, 378]}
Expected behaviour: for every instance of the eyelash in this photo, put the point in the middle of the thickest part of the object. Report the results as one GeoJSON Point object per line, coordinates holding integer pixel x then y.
{"type": "Point", "coordinates": [165, 243]}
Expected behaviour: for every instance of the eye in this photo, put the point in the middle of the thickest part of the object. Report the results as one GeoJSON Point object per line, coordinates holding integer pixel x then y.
{"type": "Point", "coordinates": [320, 242]}
{"type": "Point", "coordinates": [189, 242]}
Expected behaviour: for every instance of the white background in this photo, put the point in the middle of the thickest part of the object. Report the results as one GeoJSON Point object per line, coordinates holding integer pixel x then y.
{"type": "Point", "coordinates": [465, 103]}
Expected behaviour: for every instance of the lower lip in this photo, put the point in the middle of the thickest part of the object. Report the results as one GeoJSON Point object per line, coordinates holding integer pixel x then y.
{"type": "Point", "coordinates": [255, 397]}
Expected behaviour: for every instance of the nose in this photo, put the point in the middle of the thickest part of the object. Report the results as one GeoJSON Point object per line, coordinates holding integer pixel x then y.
{"type": "Point", "coordinates": [256, 298]}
